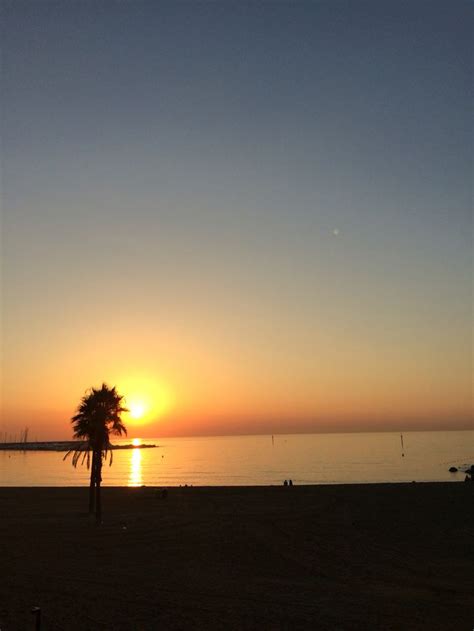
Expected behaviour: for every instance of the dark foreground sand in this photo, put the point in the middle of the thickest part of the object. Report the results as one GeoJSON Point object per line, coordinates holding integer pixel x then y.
{"type": "Point", "coordinates": [329, 557]}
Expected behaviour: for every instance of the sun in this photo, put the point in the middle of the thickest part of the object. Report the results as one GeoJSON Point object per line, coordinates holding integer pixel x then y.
{"type": "Point", "coordinates": [147, 399]}
{"type": "Point", "coordinates": [137, 409]}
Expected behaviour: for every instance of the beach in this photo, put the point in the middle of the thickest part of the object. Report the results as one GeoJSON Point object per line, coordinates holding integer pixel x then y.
{"type": "Point", "coordinates": [380, 556]}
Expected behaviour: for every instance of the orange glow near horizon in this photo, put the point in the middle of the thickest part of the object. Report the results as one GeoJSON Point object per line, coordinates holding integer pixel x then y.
{"type": "Point", "coordinates": [279, 387]}
{"type": "Point", "coordinates": [147, 399]}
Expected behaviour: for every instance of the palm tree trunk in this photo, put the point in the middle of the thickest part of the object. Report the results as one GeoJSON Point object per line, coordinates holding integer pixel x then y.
{"type": "Point", "coordinates": [98, 503]}
{"type": "Point", "coordinates": [92, 485]}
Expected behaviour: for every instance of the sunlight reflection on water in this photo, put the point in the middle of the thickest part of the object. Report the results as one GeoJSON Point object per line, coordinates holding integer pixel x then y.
{"type": "Point", "coordinates": [135, 478]}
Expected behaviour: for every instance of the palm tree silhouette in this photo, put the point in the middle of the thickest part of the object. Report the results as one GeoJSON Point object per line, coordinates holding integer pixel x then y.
{"type": "Point", "coordinates": [98, 416]}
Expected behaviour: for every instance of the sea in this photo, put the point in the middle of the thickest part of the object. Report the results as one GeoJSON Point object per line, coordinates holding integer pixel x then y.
{"type": "Point", "coordinates": [258, 460]}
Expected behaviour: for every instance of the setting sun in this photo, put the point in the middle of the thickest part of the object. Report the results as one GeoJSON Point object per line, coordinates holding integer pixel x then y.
{"type": "Point", "coordinates": [137, 409]}
{"type": "Point", "coordinates": [146, 398]}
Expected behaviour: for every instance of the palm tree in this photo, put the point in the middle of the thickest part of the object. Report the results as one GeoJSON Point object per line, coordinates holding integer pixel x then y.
{"type": "Point", "coordinates": [98, 416]}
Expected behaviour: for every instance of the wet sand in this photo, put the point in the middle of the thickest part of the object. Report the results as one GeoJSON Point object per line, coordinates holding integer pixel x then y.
{"type": "Point", "coordinates": [320, 557]}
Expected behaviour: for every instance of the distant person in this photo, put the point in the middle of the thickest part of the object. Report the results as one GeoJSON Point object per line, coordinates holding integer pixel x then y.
{"type": "Point", "coordinates": [290, 482]}
{"type": "Point", "coordinates": [285, 483]}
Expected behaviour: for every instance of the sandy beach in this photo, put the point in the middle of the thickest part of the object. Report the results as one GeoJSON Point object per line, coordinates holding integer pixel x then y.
{"type": "Point", "coordinates": [320, 557]}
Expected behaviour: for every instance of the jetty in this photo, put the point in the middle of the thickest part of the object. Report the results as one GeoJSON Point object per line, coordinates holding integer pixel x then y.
{"type": "Point", "coordinates": [61, 445]}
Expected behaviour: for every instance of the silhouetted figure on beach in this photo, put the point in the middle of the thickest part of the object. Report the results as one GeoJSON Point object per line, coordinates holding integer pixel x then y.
{"type": "Point", "coordinates": [469, 474]}
{"type": "Point", "coordinates": [285, 483]}
{"type": "Point", "coordinates": [290, 482]}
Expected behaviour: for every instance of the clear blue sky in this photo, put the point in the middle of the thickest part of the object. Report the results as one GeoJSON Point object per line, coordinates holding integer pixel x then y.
{"type": "Point", "coordinates": [268, 201]}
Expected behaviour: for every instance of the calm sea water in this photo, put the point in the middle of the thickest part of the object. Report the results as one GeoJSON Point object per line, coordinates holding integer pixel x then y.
{"type": "Point", "coordinates": [257, 460]}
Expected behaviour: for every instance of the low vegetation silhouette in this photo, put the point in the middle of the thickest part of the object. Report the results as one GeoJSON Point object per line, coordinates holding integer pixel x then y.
{"type": "Point", "coordinates": [98, 417]}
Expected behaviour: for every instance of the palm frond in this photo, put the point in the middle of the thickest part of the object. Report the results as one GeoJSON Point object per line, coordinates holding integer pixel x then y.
{"type": "Point", "coordinates": [98, 416]}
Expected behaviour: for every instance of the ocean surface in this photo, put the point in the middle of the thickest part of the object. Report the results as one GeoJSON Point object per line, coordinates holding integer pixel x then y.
{"type": "Point", "coordinates": [259, 460]}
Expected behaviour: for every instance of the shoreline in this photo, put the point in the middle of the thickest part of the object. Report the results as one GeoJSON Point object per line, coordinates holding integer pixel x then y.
{"type": "Point", "coordinates": [243, 487]}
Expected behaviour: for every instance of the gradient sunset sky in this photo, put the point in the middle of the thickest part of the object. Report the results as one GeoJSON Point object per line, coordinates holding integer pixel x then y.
{"type": "Point", "coordinates": [250, 217]}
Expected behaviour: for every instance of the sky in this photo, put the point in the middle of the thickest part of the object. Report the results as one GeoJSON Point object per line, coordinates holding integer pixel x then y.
{"type": "Point", "coordinates": [250, 217]}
